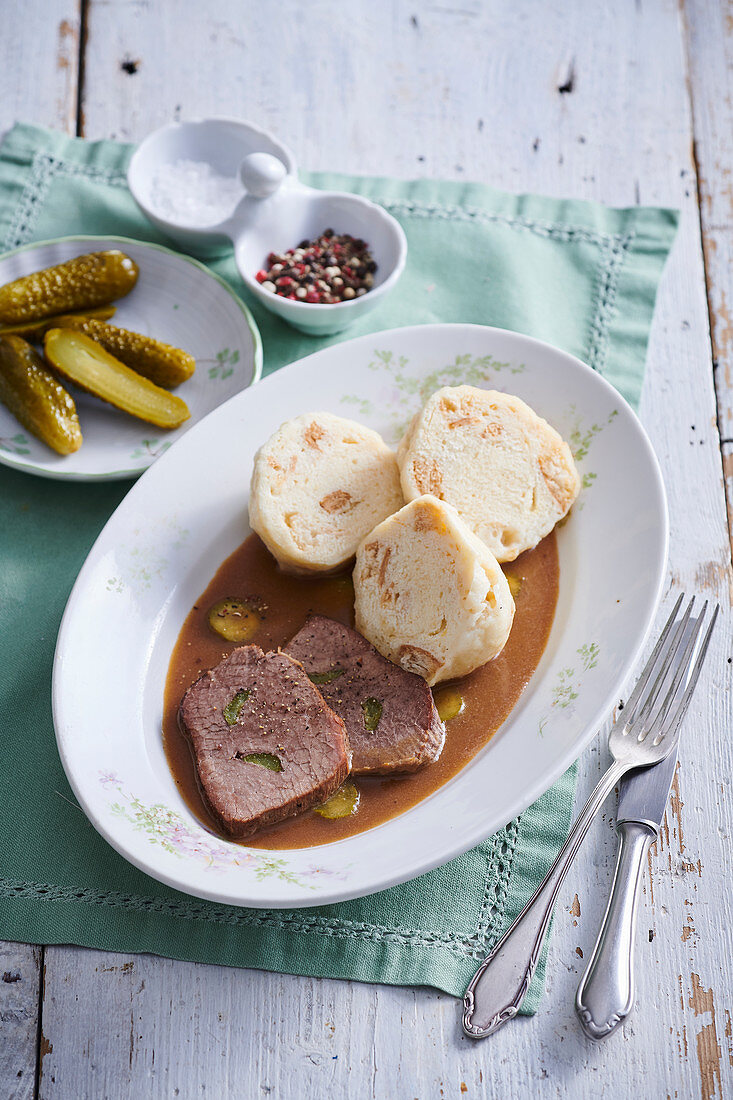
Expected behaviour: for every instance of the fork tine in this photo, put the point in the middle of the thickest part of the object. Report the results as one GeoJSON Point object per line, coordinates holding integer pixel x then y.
{"type": "Point", "coordinates": [669, 660]}
{"type": "Point", "coordinates": [674, 721]}
{"type": "Point", "coordinates": [679, 672]}
{"type": "Point", "coordinates": [650, 666]}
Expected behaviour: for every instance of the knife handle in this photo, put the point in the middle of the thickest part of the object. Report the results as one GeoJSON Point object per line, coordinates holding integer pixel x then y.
{"type": "Point", "coordinates": [605, 995]}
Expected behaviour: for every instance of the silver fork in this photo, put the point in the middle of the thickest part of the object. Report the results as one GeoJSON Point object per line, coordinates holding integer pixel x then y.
{"type": "Point", "coordinates": [644, 733]}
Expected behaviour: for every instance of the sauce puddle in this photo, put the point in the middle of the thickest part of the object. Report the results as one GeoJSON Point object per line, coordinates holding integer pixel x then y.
{"type": "Point", "coordinates": [488, 694]}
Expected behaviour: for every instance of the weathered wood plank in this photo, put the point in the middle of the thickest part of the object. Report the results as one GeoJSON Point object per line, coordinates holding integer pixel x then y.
{"type": "Point", "coordinates": [19, 1000]}
{"type": "Point", "coordinates": [39, 72]}
{"type": "Point", "coordinates": [710, 49]}
{"type": "Point", "coordinates": [593, 104]}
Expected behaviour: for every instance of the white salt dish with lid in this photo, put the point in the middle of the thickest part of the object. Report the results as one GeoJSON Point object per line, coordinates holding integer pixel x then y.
{"type": "Point", "coordinates": [288, 213]}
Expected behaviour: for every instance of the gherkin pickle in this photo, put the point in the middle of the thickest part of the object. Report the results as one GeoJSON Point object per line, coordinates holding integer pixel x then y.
{"type": "Point", "coordinates": [161, 363]}
{"type": "Point", "coordinates": [449, 703]}
{"type": "Point", "coordinates": [515, 584]}
{"type": "Point", "coordinates": [36, 398]}
{"type": "Point", "coordinates": [235, 619]}
{"type": "Point", "coordinates": [319, 678]}
{"type": "Point", "coordinates": [264, 759]}
{"type": "Point", "coordinates": [343, 803]}
{"type": "Point", "coordinates": [234, 706]}
{"type": "Point", "coordinates": [36, 330]}
{"type": "Point", "coordinates": [372, 712]}
{"type": "Point", "coordinates": [82, 361]}
{"type": "Point", "coordinates": [95, 279]}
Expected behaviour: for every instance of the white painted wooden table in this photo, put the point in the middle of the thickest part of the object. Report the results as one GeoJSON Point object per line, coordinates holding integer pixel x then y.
{"type": "Point", "coordinates": [626, 103]}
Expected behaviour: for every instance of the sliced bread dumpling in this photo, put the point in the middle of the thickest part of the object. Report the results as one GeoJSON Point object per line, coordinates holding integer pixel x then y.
{"type": "Point", "coordinates": [429, 595]}
{"type": "Point", "coordinates": [319, 485]}
{"type": "Point", "coordinates": [508, 473]}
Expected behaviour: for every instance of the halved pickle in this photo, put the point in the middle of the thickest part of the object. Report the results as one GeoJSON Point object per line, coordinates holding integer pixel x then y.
{"type": "Point", "coordinates": [82, 361]}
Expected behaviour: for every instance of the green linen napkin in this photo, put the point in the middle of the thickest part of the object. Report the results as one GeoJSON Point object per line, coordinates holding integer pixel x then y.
{"type": "Point", "coordinates": [576, 274]}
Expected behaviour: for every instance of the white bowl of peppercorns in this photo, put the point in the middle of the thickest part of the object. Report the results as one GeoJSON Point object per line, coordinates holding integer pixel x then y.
{"type": "Point", "coordinates": [319, 259]}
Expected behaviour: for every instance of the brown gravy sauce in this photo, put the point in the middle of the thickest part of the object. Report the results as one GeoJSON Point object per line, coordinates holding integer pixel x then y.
{"type": "Point", "coordinates": [489, 693]}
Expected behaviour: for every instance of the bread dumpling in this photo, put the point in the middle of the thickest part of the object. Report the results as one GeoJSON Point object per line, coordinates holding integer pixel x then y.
{"type": "Point", "coordinates": [508, 473]}
{"type": "Point", "coordinates": [319, 485]}
{"type": "Point", "coordinates": [429, 595]}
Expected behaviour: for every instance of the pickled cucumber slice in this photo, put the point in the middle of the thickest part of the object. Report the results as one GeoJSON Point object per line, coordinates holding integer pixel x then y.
{"type": "Point", "coordinates": [236, 619]}
{"type": "Point", "coordinates": [161, 363]}
{"type": "Point", "coordinates": [36, 398]}
{"type": "Point", "coordinates": [343, 803]}
{"type": "Point", "coordinates": [319, 678]}
{"type": "Point", "coordinates": [82, 361]}
{"type": "Point", "coordinates": [449, 703]}
{"type": "Point", "coordinates": [36, 330]}
{"type": "Point", "coordinates": [264, 759]}
{"type": "Point", "coordinates": [372, 712]}
{"type": "Point", "coordinates": [234, 706]}
{"type": "Point", "coordinates": [515, 583]}
{"type": "Point", "coordinates": [94, 279]}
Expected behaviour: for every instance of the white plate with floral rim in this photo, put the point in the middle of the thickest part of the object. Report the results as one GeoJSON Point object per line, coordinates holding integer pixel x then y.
{"type": "Point", "coordinates": [177, 300]}
{"type": "Point", "coordinates": [189, 512]}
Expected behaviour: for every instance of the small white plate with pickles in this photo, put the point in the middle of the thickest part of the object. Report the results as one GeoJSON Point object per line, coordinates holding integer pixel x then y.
{"type": "Point", "coordinates": [176, 300]}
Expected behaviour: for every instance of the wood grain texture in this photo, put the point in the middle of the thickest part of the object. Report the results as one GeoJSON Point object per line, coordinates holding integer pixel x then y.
{"type": "Point", "coordinates": [568, 99]}
{"type": "Point", "coordinates": [40, 63]}
{"type": "Point", "coordinates": [710, 50]}
{"type": "Point", "coordinates": [19, 1000]}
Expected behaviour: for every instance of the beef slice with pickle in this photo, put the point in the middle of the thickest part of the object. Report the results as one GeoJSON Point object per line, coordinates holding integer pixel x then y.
{"type": "Point", "coordinates": [266, 745]}
{"type": "Point", "coordinates": [390, 716]}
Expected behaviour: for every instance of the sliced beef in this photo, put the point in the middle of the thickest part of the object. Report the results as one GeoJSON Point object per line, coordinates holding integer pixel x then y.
{"type": "Point", "coordinates": [266, 745]}
{"type": "Point", "coordinates": [390, 715]}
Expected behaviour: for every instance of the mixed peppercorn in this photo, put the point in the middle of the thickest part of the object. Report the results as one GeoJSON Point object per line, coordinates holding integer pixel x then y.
{"type": "Point", "coordinates": [333, 268]}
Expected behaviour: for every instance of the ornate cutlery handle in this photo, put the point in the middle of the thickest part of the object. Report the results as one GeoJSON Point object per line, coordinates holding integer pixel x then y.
{"type": "Point", "coordinates": [498, 987]}
{"type": "Point", "coordinates": [605, 995]}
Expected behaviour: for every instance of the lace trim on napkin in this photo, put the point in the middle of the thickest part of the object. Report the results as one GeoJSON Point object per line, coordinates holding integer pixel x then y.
{"type": "Point", "coordinates": [502, 847]}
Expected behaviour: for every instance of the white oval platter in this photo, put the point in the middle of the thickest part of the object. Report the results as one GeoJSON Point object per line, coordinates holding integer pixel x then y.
{"type": "Point", "coordinates": [189, 511]}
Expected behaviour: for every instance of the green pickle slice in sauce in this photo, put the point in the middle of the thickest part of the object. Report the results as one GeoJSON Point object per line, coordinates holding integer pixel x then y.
{"type": "Point", "coordinates": [343, 803]}
{"type": "Point", "coordinates": [235, 618]}
{"type": "Point", "coordinates": [449, 703]}
{"type": "Point", "coordinates": [515, 583]}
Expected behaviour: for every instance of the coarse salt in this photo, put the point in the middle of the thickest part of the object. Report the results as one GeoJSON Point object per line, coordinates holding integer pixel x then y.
{"type": "Point", "coordinates": [190, 192]}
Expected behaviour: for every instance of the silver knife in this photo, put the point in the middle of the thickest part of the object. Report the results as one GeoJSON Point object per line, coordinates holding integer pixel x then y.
{"type": "Point", "coordinates": [605, 995]}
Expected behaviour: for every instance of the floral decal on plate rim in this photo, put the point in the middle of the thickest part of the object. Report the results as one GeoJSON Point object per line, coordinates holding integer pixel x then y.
{"type": "Point", "coordinates": [150, 448]}
{"type": "Point", "coordinates": [224, 363]}
{"type": "Point", "coordinates": [404, 393]}
{"type": "Point", "coordinates": [15, 444]}
{"type": "Point", "coordinates": [568, 681]}
{"type": "Point", "coordinates": [141, 565]}
{"type": "Point", "coordinates": [580, 440]}
{"type": "Point", "coordinates": [167, 829]}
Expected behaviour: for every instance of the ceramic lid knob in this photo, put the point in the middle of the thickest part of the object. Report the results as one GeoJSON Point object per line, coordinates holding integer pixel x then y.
{"type": "Point", "coordinates": [262, 174]}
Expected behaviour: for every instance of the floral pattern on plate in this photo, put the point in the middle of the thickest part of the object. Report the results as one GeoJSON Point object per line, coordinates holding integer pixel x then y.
{"type": "Point", "coordinates": [166, 828]}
